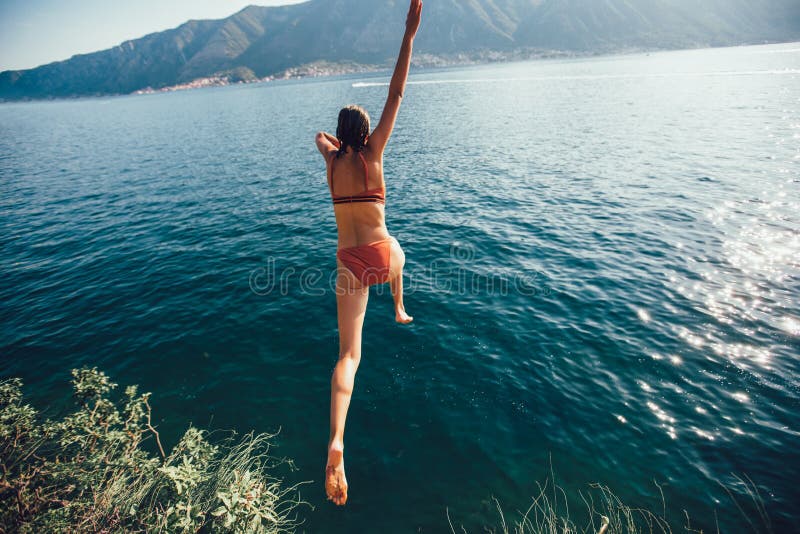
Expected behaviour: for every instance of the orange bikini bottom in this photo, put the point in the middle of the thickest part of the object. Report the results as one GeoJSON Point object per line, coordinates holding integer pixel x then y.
{"type": "Point", "coordinates": [369, 263]}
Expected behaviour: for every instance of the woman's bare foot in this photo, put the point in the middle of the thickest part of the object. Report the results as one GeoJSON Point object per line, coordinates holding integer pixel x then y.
{"type": "Point", "coordinates": [335, 481]}
{"type": "Point", "coordinates": [401, 316]}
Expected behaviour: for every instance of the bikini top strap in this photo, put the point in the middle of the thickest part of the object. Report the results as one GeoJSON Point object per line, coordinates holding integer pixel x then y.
{"type": "Point", "coordinates": [366, 171]}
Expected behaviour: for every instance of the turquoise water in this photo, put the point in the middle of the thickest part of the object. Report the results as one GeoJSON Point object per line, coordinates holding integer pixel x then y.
{"type": "Point", "coordinates": [603, 263]}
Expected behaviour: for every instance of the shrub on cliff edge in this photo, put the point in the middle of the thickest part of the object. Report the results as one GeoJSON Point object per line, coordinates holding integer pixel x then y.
{"type": "Point", "coordinates": [95, 471]}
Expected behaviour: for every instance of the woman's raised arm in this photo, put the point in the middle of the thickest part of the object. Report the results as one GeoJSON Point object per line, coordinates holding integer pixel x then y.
{"type": "Point", "coordinates": [380, 136]}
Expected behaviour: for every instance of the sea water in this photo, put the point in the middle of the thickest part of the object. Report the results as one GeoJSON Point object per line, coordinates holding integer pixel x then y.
{"type": "Point", "coordinates": [603, 263]}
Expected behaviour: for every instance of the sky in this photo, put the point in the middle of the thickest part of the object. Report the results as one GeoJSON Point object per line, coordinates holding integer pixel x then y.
{"type": "Point", "coordinates": [35, 32]}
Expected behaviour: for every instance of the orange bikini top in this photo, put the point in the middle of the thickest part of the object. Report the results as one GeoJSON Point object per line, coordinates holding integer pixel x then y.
{"type": "Point", "coordinates": [376, 195]}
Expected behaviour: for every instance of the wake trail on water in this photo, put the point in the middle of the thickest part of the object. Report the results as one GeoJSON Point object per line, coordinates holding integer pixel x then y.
{"type": "Point", "coordinates": [588, 77]}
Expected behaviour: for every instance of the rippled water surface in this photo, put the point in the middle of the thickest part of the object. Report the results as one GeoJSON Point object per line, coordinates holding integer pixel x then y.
{"type": "Point", "coordinates": [603, 263]}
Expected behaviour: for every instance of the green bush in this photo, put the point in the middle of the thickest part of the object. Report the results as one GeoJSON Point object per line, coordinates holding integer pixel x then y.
{"type": "Point", "coordinates": [91, 471]}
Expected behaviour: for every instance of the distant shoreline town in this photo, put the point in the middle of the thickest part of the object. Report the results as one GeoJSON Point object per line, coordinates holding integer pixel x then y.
{"type": "Point", "coordinates": [319, 69]}
{"type": "Point", "coordinates": [323, 68]}
{"type": "Point", "coordinates": [312, 70]}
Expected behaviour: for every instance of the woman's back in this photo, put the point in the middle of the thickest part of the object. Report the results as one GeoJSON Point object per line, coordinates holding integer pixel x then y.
{"type": "Point", "coordinates": [358, 191]}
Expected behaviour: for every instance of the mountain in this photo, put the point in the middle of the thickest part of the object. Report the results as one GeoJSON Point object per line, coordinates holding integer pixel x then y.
{"type": "Point", "coordinates": [261, 41]}
{"type": "Point", "coordinates": [608, 24]}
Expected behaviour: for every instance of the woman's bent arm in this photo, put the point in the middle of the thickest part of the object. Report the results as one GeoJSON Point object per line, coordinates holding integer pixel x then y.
{"type": "Point", "coordinates": [326, 143]}
{"type": "Point", "coordinates": [380, 136]}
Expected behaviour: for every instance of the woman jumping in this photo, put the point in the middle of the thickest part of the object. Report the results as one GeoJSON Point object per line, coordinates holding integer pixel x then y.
{"type": "Point", "coordinates": [367, 254]}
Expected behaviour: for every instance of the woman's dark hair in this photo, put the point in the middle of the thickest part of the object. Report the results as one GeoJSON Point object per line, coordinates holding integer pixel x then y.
{"type": "Point", "coordinates": [353, 129]}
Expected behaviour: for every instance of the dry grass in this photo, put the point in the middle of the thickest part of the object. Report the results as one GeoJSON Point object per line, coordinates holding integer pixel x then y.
{"type": "Point", "coordinates": [605, 513]}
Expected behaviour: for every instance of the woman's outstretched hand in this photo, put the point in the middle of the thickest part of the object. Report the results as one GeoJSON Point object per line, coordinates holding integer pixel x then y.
{"type": "Point", "coordinates": [414, 15]}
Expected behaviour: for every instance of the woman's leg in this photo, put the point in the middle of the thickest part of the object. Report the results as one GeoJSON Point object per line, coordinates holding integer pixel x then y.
{"type": "Point", "coordinates": [351, 305]}
{"type": "Point", "coordinates": [397, 262]}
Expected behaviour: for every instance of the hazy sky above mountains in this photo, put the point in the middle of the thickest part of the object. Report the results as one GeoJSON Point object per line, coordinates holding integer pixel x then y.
{"type": "Point", "coordinates": [35, 32]}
